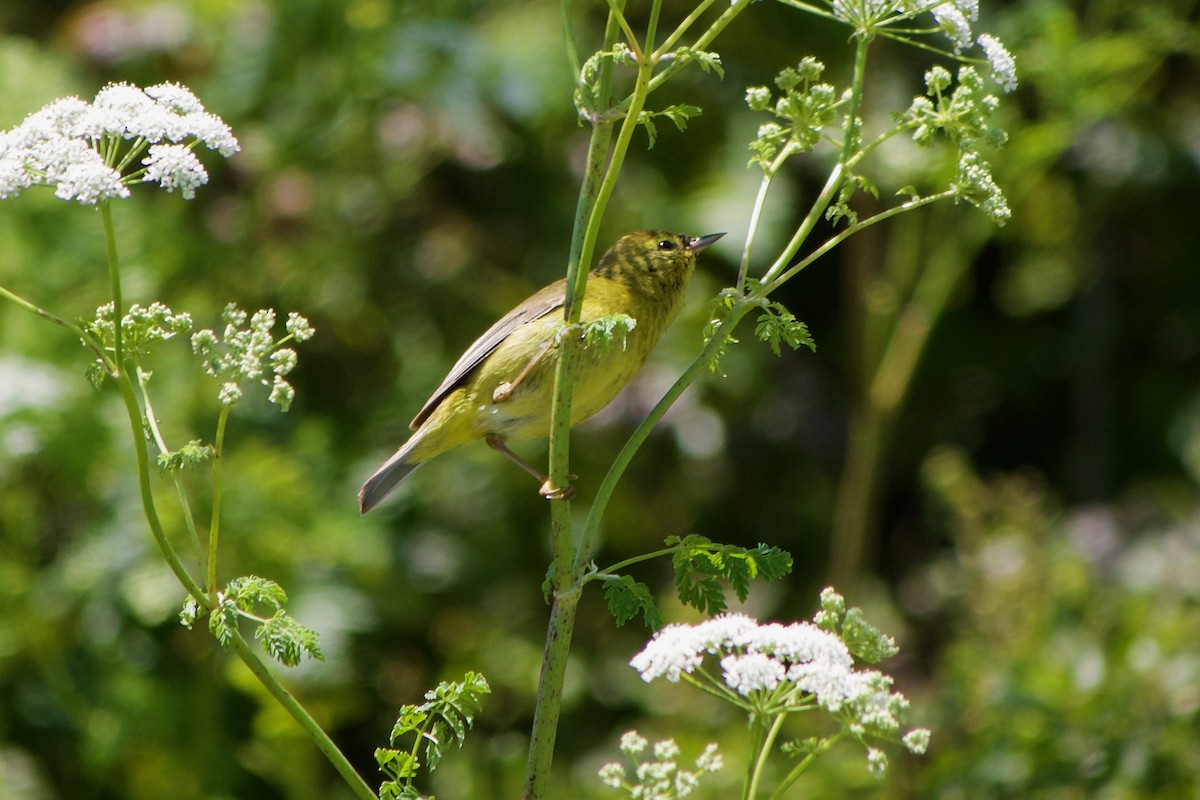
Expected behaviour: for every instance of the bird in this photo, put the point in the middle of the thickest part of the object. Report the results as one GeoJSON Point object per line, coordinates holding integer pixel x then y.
{"type": "Point", "coordinates": [501, 389]}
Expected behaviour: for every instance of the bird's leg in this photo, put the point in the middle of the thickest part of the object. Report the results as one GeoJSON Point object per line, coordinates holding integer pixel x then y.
{"type": "Point", "coordinates": [506, 389]}
{"type": "Point", "coordinates": [547, 491]}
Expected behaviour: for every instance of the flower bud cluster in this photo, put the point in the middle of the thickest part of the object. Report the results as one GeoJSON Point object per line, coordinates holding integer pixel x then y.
{"type": "Point", "coordinates": [662, 778]}
{"type": "Point", "coordinates": [248, 352]}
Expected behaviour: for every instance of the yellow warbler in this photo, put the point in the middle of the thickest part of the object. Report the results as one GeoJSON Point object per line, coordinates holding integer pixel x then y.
{"type": "Point", "coordinates": [502, 386]}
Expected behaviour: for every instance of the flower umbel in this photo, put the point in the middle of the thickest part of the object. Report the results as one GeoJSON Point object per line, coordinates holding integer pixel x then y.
{"type": "Point", "coordinates": [85, 150]}
{"type": "Point", "coordinates": [662, 778]}
{"type": "Point", "coordinates": [769, 670]}
{"type": "Point", "coordinates": [250, 352]}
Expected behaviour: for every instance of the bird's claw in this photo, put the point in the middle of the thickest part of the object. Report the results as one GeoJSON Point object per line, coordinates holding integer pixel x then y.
{"type": "Point", "coordinates": [551, 492]}
{"type": "Point", "coordinates": [502, 392]}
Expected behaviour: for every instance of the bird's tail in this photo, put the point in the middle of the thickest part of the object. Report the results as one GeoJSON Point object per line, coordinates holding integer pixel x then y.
{"type": "Point", "coordinates": [387, 477]}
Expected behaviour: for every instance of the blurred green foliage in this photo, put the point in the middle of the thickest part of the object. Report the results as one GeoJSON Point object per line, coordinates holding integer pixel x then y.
{"type": "Point", "coordinates": [409, 173]}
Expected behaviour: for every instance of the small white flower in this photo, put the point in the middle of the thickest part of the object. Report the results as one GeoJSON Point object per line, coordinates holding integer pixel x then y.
{"type": "Point", "coordinates": [230, 393]}
{"type": "Point", "coordinates": [710, 760]}
{"type": "Point", "coordinates": [283, 361]}
{"type": "Point", "coordinates": [955, 25]}
{"type": "Point", "coordinates": [747, 674]}
{"type": "Point", "coordinates": [174, 166]}
{"type": "Point", "coordinates": [612, 775]}
{"type": "Point", "coordinates": [212, 132]}
{"type": "Point", "coordinates": [633, 743]}
{"type": "Point", "coordinates": [175, 97]}
{"type": "Point", "coordinates": [877, 762]}
{"type": "Point", "coordinates": [917, 740]}
{"type": "Point", "coordinates": [298, 327]}
{"type": "Point", "coordinates": [666, 750]}
{"type": "Point", "coordinates": [686, 783]}
{"type": "Point", "coordinates": [655, 771]}
{"type": "Point", "coordinates": [77, 172]}
{"type": "Point", "coordinates": [1004, 66]}
{"type": "Point", "coordinates": [671, 652]}
{"type": "Point", "coordinates": [282, 393]}
{"type": "Point", "coordinates": [970, 8]}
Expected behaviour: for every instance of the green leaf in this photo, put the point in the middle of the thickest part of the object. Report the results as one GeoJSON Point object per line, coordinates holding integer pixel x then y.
{"type": "Point", "coordinates": [96, 373]}
{"type": "Point", "coordinates": [251, 591]}
{"type": "Point", "coordinates": [864, 640]}
{"type": "Point", "coordinates": [608, 330]}
{"type": "Point", "coordinates": [779, 326]}
{"type": "Point", "coordinates": [190, 455]}
{"type": "Point", "coordinates": [440, 722]}
{"type": "Point", "coordinates": [719, 309]}
{"type": "Point", "coordinates": [708, 61]}
{"type": "Point", "coordinates": [703, 568]}
{"type": "Point", "coordinates": [627, 598]}
{"type": "Point", "coordinates": [678, 114]}
{"type": "Point", "coordinates": [287, 641]}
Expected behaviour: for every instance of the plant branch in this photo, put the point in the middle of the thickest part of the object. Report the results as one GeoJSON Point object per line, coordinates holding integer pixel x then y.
{"type": "Point", "coordinates": [88, 340]}
{"type": "Point", "coordinates": [160, 441]}
{"type": "Point", "coordinates": [619, 465]}
{"type": "Point", "coordinates": [114, 277]}
{"type": "Point", "coordinates": [214, 529]}
{"type": "Point", "coordinates": [302, 717]}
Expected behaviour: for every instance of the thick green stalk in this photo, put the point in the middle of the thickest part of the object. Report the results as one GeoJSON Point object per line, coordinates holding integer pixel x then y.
{"type": "Point", "coordinates": [565, 584]}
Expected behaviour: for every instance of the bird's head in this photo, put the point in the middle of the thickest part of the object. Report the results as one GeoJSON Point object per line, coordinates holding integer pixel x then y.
{"type": "Point", "coordinates": [654, 260]}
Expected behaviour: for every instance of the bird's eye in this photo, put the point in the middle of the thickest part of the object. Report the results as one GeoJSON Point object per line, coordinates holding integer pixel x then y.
{"type": "Point", "coordinates": [666, 244]}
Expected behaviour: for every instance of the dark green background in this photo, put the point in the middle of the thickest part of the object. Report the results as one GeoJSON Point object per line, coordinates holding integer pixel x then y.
{"type": "Point", "coordinates": [408, 173]}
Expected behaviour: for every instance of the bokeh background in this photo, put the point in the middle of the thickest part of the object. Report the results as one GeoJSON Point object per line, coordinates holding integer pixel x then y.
{"type": "Point", "coordinates": [995, 449]}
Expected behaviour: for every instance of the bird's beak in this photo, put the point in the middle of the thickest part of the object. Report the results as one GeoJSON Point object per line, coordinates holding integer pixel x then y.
{"type": "Point", "coordinates": [701, 242]}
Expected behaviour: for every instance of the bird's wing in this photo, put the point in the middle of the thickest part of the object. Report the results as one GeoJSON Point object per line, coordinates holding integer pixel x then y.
{"type": "Point", "coordinates": [537, 306]}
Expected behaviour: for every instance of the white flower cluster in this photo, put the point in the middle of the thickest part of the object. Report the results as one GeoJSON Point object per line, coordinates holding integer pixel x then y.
{"type": "Point", "coordinates": [661, 779]}
{"type": "Point", "coordinates": [141, 326]}
{"type": "Point", "coordinates": [779, 669]}
{"type": "Point", "coordinates": [758, 658]}
{"type": "Point", "coordinates": [954, 18]}
{"type": "Point", "coordinates": [74, 145]}
{"type": "Point", "coordinates": [250, 352]}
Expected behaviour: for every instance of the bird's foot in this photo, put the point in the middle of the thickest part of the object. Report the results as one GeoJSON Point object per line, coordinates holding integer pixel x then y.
{"type": "Point", "coordinates": [551, 492]}
{"type": "Point", "coordinates": [503, 392]}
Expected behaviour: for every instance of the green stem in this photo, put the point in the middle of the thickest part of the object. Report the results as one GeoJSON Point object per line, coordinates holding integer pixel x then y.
{"type": "Point", "coordinates": [303, 718]}
{"type": "Point", "coordinates": [566, 583]}
{"type": "Point", "coordinates": [137, 426]}
{"type": "Point", "coordinates": [849, 231]}
{"type": "Point", "coordinates": [760, 202]}
{"type": "Point", "coordinates": [83, 335]}
{"type": "Point", "coordinates": [760, 761]}
{"type": "Point", "coordinates": [689, 376]}
{"type": "Point", "coordinates": [703, 41]}
{"type": "Point", "coordinates": [821, 747]}
{"type": "Point", "coordinates": [214, 529]}
{"type": "Point", "coordinates": [114, 277]}
{"type": "Point", "coordinates": [160, 441]}
{"type": "Point", "coordinates": [851, 134]}
{"type": "Point", "coordinates": [682, 28]}
{"type": "Point", "coordinates": [620, 565]}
